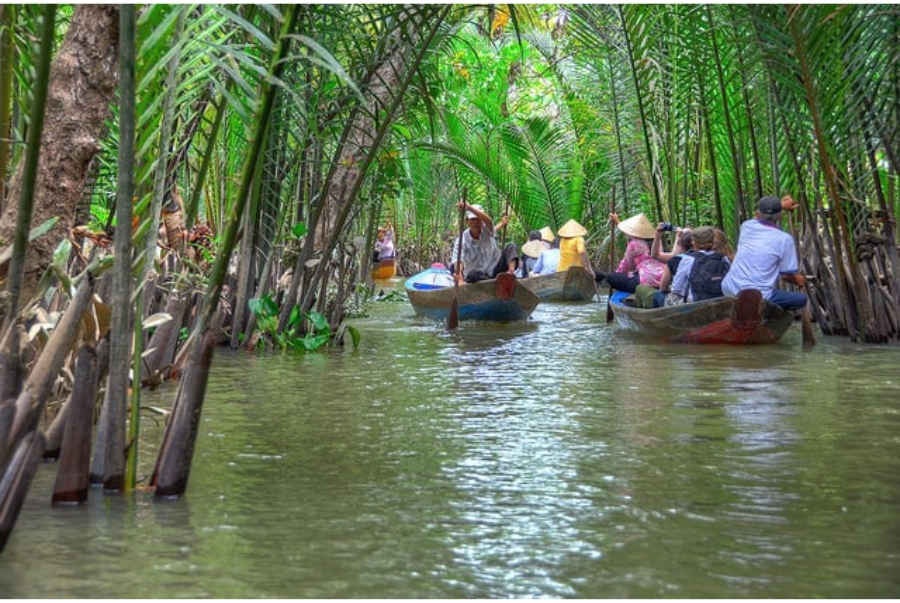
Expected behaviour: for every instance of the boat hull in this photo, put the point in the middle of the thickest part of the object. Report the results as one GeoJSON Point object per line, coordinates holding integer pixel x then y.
{"type": "Point", "coordinates": [573, 285]}
{"type": "Point", "coordinates": [500, 300]}
{"type": "Point", "coordinates": [384, 270]}
{"type": "Point", "coordinates": [745, 319]}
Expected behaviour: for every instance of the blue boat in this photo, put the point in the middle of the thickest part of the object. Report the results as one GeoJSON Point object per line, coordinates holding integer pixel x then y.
{"type": "Point", "coordinates": [503, 299]}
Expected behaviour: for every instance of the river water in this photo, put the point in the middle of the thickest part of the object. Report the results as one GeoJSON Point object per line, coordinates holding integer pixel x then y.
{"type": "Point", "coordinates": [557, 458]}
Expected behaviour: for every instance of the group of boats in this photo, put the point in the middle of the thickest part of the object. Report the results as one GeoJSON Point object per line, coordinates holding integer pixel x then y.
{"type": "Point", "coordinates": [745, 319]}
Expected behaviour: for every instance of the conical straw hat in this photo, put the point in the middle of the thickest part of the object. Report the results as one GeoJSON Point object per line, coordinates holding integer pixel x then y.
{"type": "Point", "coordinates": [572, 229]}
{"type": "Point", "coordinates": [533, 249]}
{"type": "Point", "coordinates": [547, 234]}
{"type": "Point", "coordinates": [638, 226]}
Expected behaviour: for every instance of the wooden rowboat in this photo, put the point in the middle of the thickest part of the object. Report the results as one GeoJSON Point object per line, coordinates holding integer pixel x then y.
{"type": "Point", "coordinates": [503, 299]}
{"type": "Point", "coordinates": [747, 318]}
{"type": "Point", "coordinates": [383, 270]}
{"type": "Point", "coordinates": [573, 285]}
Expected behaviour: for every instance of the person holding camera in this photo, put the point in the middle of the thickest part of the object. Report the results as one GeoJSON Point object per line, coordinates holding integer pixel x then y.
{"type": "Point", "coordinates": [682, 242]}
{"type": "Point", "coordinates": [670, 259]}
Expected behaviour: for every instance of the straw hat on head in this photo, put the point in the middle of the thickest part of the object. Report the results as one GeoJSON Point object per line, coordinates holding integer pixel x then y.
{"type": "Point", "coordinates": [547, 234]}
{"type": "Point", "coordinates": [572, 229]}
{"type": "Point", "coordinates": [533, 249]}
{"type": "Point", "coordinates": [638, 226]}
{"type": "Point", "coordinates": [470, 215]}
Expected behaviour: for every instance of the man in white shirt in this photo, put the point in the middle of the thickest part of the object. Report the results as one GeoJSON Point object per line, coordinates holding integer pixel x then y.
{"type": "Point", "coordinates": [481, 257]}
{"type": "Point", "coordinates": [765, 253]}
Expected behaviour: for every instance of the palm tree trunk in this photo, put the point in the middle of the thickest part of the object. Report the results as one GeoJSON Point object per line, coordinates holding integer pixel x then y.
{"type": "Point", "coordinates": [122, 308]}
{"type": "Point", "coordinates": [363, 134]}
{"type": "Point", "coordinates": [7, 26]}
{"type": "Point", "coordinates": [11, 370]}
{"type": "Point", "coordinates": [72, 477]}
{"type": "Point", "coordinates": [82, 86]}
{"type": "Point", "coordinates": [16, 275]}
{"type": "Point", "coordinates": [863, 324]}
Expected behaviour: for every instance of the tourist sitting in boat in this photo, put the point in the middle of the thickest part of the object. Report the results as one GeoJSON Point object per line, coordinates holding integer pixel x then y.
{"type": "Point", "coordinates": [531, 251]}
{"type": "Point", "coordinates": [665, 297]}
{"type": "Point", "coordinates": [637, 266]}
{"type": "Point", "coordinates": [547, 237]}
{"type": "Point", "coordinates": [682, 246]}
{"type": "Point", "coordinates": [721, 244]}
{"type": "Point", "coordinates": [572, 250]}
{"type": "Point", "coordinates": [700, 272]}
{"type": "Point", "coordinates": [481, 258]}
{"type": "Point", "coordinates": [549, 260]}
{"type": "Point", "coordinates": [657, 251]}
{"type": "Point", "coordinates": [384, 243]}
{"type": "Point", "coordinates": [765, 253]}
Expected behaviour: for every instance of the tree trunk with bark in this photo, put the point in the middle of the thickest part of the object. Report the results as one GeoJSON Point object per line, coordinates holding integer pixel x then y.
{"type": "Point", "coordinates": [83, 82]}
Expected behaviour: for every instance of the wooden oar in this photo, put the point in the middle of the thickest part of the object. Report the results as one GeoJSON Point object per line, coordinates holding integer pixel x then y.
{"type": "Point", "coordinates": [453, 316]}
{"type": "Point", "coordinates": [612, 260]}
{"type": "Point", "coordinates": [809, 337]}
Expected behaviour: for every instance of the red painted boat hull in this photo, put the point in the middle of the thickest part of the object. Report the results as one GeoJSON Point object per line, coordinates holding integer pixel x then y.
{"type": "Point", "coordinates": [745, 319]}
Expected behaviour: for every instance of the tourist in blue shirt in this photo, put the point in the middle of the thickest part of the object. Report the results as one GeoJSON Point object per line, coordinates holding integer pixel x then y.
{"type": "Point", "coordinates": [548, 261]}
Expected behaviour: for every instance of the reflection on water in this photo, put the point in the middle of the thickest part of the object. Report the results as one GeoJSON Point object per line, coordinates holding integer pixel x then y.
{"type": "Point", "coordinates": [556, 458]}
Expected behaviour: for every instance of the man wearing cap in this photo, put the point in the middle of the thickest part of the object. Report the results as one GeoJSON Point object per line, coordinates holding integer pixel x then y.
{"type": "Point", "coordinates": [764, 253]}
{"type": "Point", "coordinates": [481, 257]}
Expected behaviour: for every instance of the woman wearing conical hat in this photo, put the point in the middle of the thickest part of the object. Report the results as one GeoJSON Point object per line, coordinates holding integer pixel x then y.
{"type": "Point", "coordinates": [531, 251]}
{"type": "Point", "coordinates": [547, 236]}
{"type": "Point", "coordinates": [572, 251]}
{"type": "Point", "coordinates": [637, 266]}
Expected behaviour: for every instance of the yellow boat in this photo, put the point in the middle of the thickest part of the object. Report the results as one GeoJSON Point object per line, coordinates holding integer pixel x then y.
{"type": "Point", "coordinates": [383, 270]}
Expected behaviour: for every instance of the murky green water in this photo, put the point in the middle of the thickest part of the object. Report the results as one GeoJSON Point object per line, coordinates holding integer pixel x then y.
{"type": "Point", "coordinates": [552, 459]}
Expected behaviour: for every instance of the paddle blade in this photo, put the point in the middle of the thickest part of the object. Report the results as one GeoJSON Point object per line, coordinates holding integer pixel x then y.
{"type": "Point", "coordinates": [809, 338]}
{"type": "Point", "coordinates": [505, 286]}
{"type": "Point", "coordinates": [609, 310]}
{"type": "Point", "coordinates": [453, 316]}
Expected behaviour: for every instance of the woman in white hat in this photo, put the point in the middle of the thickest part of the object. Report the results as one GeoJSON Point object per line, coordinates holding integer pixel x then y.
{"type": "Point", "coordinates": [637, 266]}
{"type": "Point", "coordinates": [572, 251]}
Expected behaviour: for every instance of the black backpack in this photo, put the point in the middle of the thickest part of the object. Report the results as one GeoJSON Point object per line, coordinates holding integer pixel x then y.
{"type": "Point", "coordinates": [707, 272]}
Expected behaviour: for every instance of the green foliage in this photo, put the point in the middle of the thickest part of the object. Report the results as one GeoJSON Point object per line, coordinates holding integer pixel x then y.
{"type": "Point", "coordinates": [354, 335]}
{"type": "Point", "coordinates": [266, 311]}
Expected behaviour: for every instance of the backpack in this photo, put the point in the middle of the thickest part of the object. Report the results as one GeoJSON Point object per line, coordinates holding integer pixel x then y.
{"type": "Point", "coordinates": [705, 279]}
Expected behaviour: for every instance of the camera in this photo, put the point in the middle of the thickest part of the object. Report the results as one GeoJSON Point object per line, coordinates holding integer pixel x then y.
{"type": "Point", "coordinates": [667, 227]}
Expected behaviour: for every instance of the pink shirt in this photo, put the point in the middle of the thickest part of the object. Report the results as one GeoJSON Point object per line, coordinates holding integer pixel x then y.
{"type": "Point", "coordinates": [638, 259]}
